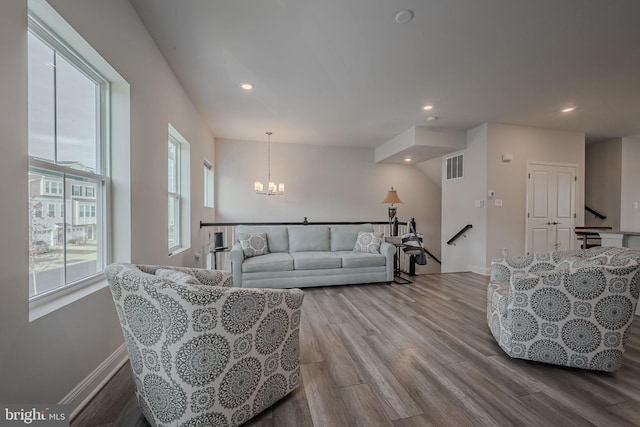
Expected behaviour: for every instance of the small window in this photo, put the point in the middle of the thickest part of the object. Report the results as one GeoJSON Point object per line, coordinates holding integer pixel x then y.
{"type": "Point", "coordinates": [208, 185]}
{"type": "Point", "coordinates": [454, 167]}
{"type": "Point", "coordinates": [178, 186]}
{"type": "Point", "coordinates": [76, 190]}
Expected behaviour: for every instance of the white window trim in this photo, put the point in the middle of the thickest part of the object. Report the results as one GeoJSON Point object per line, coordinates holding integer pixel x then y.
{"type": "Point", "coordinates": [119, 97]}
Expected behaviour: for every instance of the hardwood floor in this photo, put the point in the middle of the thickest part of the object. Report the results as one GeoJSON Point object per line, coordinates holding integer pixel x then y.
{"type": "Point", "coordinates": [417, 355]}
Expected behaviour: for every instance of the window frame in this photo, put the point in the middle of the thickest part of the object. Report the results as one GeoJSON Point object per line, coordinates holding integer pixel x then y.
{"type": "Point", "coordinates": [46, 35]}
{"type": "Point", "coordinates": [175, 195]}
{"type": "Point", "coordinates": [209, 194]}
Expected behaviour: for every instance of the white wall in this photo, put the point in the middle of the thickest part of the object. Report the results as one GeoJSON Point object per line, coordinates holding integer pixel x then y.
{"type": "Point", "coordinates": [630, 190]}
{"type": "Point", "coordinates": [506, 225]}
{"type": "Point", "coordinates": [44, 360]}
{"type": "Point", "coordinates": [322, 183]}
{"type": "Point", "coordinates": [495, 227]}
{"type": "Point", "coordinates": [458, 209]}
{"type": "Point", "coordinates": [603, 175]}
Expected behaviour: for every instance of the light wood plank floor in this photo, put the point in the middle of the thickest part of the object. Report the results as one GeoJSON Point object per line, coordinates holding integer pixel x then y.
{"type": "Point", "coordinates": [418, 355]}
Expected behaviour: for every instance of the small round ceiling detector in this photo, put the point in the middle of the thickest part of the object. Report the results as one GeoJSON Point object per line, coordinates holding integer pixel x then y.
{"type": "Point", "coordinates": [404, 16]}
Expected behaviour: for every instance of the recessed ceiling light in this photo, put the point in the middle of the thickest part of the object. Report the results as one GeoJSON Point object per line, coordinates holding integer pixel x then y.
{"type": "Point", "coordinates": [246, 86]}
{"type": "Point", "coordinates": [568, 109]}
{"type": "Point", "coordinates": [404, 16]}
{"type": "Point", "coordinates": [427, 107]}
{"type": "Point", "coordinates": [408, 159]}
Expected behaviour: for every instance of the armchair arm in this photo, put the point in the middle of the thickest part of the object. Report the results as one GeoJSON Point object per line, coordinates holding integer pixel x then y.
{"type": "Point", "coordinates": [206, 277]}
{"type": "Point", "coordinates": [388, 250]}
{"type": "Point", "coordinates": [236, 255]}
{"type": "Point", "coordinates": [502, 269]}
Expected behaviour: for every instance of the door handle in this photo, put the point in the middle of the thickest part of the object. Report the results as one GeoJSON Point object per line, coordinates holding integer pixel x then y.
{"type": "Point", "coordinates": [552, 223]}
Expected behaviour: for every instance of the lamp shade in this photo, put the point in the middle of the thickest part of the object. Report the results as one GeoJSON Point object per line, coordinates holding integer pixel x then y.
{"type": "Point", "coordinates": [392, 197]}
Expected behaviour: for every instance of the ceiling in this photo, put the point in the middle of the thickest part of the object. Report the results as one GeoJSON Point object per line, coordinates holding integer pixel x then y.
{"type": "Point", "coordinates": [343, 72]}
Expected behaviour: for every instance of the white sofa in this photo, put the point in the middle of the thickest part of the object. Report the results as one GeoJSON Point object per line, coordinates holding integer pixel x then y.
{"type": "Point", "coordinates": [310, 255]}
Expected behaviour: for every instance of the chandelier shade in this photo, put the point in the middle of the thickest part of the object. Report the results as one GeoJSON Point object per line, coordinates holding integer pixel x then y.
{"type": "Point", "coordinates": [272, 189]}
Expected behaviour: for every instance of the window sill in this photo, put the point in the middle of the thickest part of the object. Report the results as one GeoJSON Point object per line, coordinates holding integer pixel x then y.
{"type": "Point", "coordinates": [177, 251]}
{"type": "Point", "coordinates": [46, 304]}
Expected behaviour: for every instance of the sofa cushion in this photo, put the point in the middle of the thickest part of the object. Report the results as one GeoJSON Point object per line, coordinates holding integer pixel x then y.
{"type": "Point", "coordinates": [315, 260]}
{"type": "Point", "coordinates": [343, 237]}
{"type": "Point", "coordinates": [309, 238]}
{"type": "Point", "coordinates": [253, 244]}
{"type": "Point", "coordinates": [269, 262]}
{"type": "Point", "coordinates": [368, 242]}
{"type": "Point", "coordinates": [277, 237]}
{"type": "Point", "coordinates": [177, 277]}
{"type": "Point", "coordinates": [351, 259]}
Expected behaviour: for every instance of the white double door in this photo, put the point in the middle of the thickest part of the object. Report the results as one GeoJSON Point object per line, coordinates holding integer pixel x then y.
{"type": "Point", "coordinates": [551, 207]}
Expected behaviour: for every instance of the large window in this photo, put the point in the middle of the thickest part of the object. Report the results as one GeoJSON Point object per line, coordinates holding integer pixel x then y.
{"type": "Point", "coordinates": [67, 106]}
{"type": "Point", "coordinates": [174, 194]}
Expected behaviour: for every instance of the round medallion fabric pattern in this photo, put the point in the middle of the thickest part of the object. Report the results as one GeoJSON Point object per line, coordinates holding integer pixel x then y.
{"type": "Point", "coordinates": [550, 304]}
{"type": "Point", "coordinates": [272, 331]}
{"type": "Point", "coordinates": [241, 311]}
{"type": "Point", "coordinates": [525, 284]}
{"type": "Point", "coordinates": [606, 360]}
{"type": "Point", "coordinates": [547, 351]}
{"type": "Point", "coordinates": [588, 283]}
{"type": "Point", "coordinates": [579, 361]}
{"type": "Point", "coordinates": [203, 399]}
{"type": "Point", "coordinates": [612, 339]}
{"type": "Point", "coordinates": [167, 402]}
{"type": "Point", "coordinates": [271, 364]}
{"type": "Point", "coordinates": [174, 318]}
{"type": "Point", "coordinates": [582, 309]}
{"type": "Point", "coordinates": [241, 416]}
{"type": "Point", "coordinates": [520, 299]}
{"type": "Point", "coordinates": [274, 299]}
{"type": "Point", "coordinates": [294, 379]}
{"type": "Point", "coordinates": [151, 359]}
{"type": "Point", "coordinates": [271, 390]}
{"type": "Point", "coordinates": [520, 262]}
{"type": "Point", "coordinates": [291, 353]}
{"type": "Point", "coordinates": [541, 267]}
{"type": "Point", "coordinates": [212, 419]}
{"type": "Point", "coordinates": [242, 346]}
{"type": "Point", "coordinates": [519, 350]}
{"type": "Point", "coordinates": [618, 285]}
{"type": "Point", "coordinates": [294, 300]}
{"type": "Point", "coordinates": [202, 359]}
{"type": "Point", "coordinates": [295, 320]}
{"type": "Point", "coordinates": [199, 296]}
{"type": "Point", "coordinates": [240, 382]}
{"type": "Point", "coordinates": [581, 336]}
{"type": "Point", "coordinates": [500, 273]}
{"type": "Point", "coordinates": [253, 244]}
{"type": "Point", "coordinates": [204, 319]}
{"type": "Point", "coordinates": [614, 311]}
{"type": "Point", "coordinates": [135, 356]}
{"type": "Point", "coordinates": [524, 326]}
{"type": "Point", "coordinates": [145, 320]}
{"type": "Point", "coordinates": [552, 278]}
{"type": "Point", "coordinates": [550, 330]}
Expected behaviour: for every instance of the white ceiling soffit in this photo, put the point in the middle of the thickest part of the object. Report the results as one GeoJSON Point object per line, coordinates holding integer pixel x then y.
{"type": "Point", "coordinates": [343, 72]}
{"type": "Point", "coordinates": [419, 144]}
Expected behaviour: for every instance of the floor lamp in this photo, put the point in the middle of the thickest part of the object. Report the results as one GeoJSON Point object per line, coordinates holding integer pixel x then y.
{"type": "Point", "coordinates": [392, 197]}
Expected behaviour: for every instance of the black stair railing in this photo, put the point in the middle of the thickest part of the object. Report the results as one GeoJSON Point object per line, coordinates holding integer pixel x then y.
{"type": "Point", "coordinates": [452, 240]}
{"type": "Point", "coordinates": [595, 213]}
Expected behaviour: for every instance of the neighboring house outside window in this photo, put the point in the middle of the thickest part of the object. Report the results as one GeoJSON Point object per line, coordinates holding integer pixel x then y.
{"type": "Point", "coordinates": [68, 150]}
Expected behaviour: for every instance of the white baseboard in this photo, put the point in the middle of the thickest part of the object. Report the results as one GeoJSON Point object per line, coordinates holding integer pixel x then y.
{"type": "Point", "coordinates": [479, 270]}
{"type": "Point", "coordinates": [81, 394]}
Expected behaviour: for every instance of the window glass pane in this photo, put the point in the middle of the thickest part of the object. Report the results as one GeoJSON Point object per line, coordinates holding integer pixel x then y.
{"type": "Point", "coordinates": [41, 99]}
{"type": "Point", "coordinates": [460, 166]}
{"type": "Point", "coordinates": [173, 167]}
{"type": "Point", "coordinates": [83, 249]}
{"type": "Point", "coordinates": [77, 120]}
{"type": "Point", "coordinates": [174, 236]}
{"type": "Point", "coordinates": [449, 161]}
{"type": "Point", "coordinates": [46, 237]}
{"type": "Point", "coordinates": [208, 185]}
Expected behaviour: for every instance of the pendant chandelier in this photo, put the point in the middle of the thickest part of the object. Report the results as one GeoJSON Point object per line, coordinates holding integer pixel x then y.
{"type": "Point", "coordinates": [273, 189]}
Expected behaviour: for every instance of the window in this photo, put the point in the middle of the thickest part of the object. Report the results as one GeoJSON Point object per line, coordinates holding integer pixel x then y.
{"type": "Point", "coordinates": [208, 185]}
{"type": "Point", "coordinates": [178, 189]}
{"type": "Point", "coordinates": [67, 138]}
{"type": "Point", "coordinates": [454, 167]}
{"type": "Point", "coordinates": [89, 192]}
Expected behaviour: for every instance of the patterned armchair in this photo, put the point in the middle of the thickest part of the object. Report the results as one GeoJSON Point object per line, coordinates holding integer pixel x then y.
{"type": "Point", "coordinates": [572, 308]}
{"type": "Point", "coordinates": [202, 352]}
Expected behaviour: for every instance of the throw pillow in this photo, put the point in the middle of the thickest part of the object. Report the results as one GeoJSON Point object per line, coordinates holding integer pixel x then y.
{"type": "Point", "coordinates": [177, 277]}
{"type": "Point", "coordinates": [253, 244]}
{"type": "Point", "coordinates": [368, 241]}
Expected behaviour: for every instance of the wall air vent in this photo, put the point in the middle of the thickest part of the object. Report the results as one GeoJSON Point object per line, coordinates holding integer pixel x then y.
{"type": "Point", "coordinates": [454, 166]}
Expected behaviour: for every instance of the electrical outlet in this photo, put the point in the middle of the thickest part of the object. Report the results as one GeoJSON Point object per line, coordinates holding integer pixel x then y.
{"type": "Point", "coordinates": [498, 202]}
